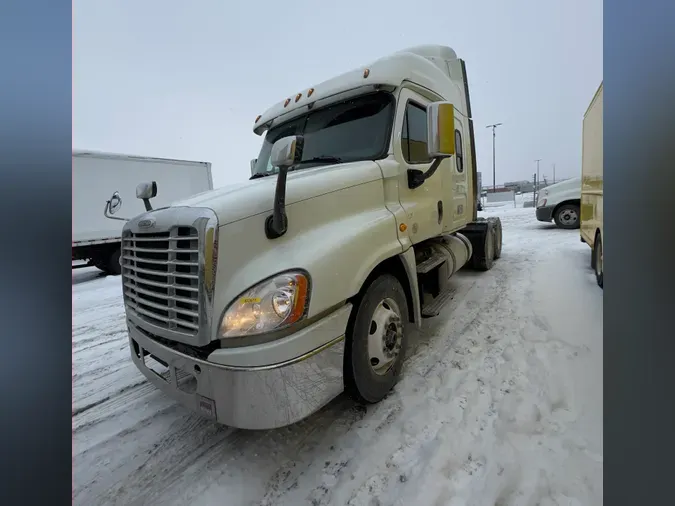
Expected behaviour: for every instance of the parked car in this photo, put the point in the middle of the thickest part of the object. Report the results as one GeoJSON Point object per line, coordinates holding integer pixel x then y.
{"type": "Point", "coordinates": [560, 202]}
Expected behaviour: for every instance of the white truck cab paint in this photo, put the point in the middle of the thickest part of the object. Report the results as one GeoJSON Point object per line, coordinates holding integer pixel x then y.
{"type": "Point", "coordinates": [560, 202]}
{"type": "Point", "coordinates": [267, 299]}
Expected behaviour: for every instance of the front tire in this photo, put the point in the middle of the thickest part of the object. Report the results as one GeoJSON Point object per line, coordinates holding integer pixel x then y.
{"type": "Point", "coordinates": [567, 217]}
{"type": "Point", "coordinates": [376, 340]}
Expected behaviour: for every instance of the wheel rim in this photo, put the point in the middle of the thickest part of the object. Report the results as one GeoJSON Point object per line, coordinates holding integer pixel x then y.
{"type": "Point", "coordinates": [385, 335]}
{"type": "Point", "coordinates": [569, 217]}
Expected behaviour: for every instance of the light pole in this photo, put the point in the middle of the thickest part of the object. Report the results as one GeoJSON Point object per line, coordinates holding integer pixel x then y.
{"type": "Point", "coordinates": [537, 185]}
{"type": "Point", "coordinates": [494, 172]}
{"type": "Point", "coordinates": [554, 173]}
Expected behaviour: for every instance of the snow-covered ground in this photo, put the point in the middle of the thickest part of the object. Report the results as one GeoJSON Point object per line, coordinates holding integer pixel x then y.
{"type": "Point", "coordinates": [500, 404]}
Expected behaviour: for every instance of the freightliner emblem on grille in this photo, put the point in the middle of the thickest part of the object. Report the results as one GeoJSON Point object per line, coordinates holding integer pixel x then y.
{"type": "Point", "coordinates": [146, 223]}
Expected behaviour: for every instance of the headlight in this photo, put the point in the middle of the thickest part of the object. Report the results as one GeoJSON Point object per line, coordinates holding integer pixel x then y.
{"type": "Point", "coordinates": [271, 305]}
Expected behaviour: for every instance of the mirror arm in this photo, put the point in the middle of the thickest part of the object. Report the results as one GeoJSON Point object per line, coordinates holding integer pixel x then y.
{"type": "Point", "coordinates": [276, 224]}
{"type": "Point", "coordinates": [107, 215]}
{"type": "Point", "coordinates": [148, 207]}
{"type": "Point", "coordinates": [416, 177]}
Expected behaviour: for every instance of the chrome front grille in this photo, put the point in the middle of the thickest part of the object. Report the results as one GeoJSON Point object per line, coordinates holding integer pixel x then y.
{"type": "Point", "coordinates": [161, 278]}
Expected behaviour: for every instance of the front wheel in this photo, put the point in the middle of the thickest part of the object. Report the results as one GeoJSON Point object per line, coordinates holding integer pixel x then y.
{"type": "Point", "coordinates": [567, 216]}
{"type": "Point", "coordinates": [376, 340]}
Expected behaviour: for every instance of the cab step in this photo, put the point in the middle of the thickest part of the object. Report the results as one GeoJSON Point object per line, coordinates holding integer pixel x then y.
{"type": "Point", "coordinates": [434, 307]}
{"type": "Point", "coordinates": [431, 263]}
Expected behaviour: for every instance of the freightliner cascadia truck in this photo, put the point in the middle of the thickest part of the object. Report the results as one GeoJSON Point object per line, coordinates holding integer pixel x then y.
{"type": "Point", "coordinates": [262, 301]}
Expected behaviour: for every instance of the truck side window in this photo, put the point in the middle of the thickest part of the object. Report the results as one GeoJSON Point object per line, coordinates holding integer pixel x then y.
{"type": "Point", "coordinates": [414, 134]}
{"type": "Point", "coordinates": [459, 152]}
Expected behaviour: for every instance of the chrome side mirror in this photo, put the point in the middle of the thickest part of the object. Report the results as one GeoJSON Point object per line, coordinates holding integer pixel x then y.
{"type": "Point", "coordinates": [287, 151]}
{"type": "Point", "coordinates": [146, 191]}
{"type": "Point", "coordinates": [113, 205]}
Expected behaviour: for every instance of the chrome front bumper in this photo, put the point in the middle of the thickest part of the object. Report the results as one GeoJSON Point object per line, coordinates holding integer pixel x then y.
{"type": "Point", "coordinates": [262, 397]}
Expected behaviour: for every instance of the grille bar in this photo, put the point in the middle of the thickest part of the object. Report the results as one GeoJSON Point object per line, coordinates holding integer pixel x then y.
{"type": "Point", "coordinates": [140, 282]}
{"type": "Point", "coordinates": [153, 316]}
{"type": "Point", "coordinates": [137, 288]}
{"type": "Point", "coordinates": [153, 305]}
{"type": "Point", "coordinates": [160, 262]}
{"type": "Point", "coordinates": [156, 272]}
{"type": "Point", "coordinates": [153, 250]}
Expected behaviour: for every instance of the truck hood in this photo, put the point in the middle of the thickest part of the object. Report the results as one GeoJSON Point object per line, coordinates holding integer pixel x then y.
{"type": "Point", "coordinates": [238, 201]}
{"type": "Point", "coordinates": [568, 184]}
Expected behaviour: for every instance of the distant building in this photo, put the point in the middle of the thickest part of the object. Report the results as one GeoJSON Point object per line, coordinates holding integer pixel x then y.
{"type": "Point", "coordinates": [520, 186]}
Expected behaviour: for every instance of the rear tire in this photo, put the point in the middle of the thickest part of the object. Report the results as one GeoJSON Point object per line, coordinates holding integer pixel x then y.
{"type": "Point", "coordinates": [483, 248]}
{"type": "Point", "coordinates": [598, 260]}
{"type": "Point", "coordinates": [111, 264]}
{"type": "Point", "coordinates": [567, 217]}
{"type": "Point", "coordinates": [380, 316]}
{"type": "Point", "coordinates": [497, 224]}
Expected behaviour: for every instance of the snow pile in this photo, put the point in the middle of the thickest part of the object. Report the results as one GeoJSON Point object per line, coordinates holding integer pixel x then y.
{"type": "Point", "coordinates": [500, 404]}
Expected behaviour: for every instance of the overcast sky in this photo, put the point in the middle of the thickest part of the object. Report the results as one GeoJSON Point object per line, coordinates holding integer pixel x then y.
{"type": "Point", "coordinates": [185, 79]}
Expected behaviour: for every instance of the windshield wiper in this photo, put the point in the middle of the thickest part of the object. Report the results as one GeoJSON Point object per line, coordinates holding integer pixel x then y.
{"type": "Point", "coordinates": [322, 159]}
{"type": "Point", "coordinates": [258, 175]}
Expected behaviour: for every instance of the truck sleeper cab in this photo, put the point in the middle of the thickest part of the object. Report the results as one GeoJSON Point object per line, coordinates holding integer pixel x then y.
{"type": "Point", "coordinates": [267, 299]}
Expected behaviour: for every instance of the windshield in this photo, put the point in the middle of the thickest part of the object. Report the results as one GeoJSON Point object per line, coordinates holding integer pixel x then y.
{"type": "Point", "coordinates": [357, 129]}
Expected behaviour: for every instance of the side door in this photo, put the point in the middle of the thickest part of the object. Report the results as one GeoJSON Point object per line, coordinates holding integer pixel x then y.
{"type": "Point", "coordinates": [424, 206]}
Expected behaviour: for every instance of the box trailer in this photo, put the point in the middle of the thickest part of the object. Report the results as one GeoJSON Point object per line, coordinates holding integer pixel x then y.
{"type": "Point", "coordinates": [592, 231]}
{"type": "Point", "coordinates": [97, 239]}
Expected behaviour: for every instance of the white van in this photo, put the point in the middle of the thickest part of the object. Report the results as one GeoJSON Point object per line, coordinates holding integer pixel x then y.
{"type": "Point", "coordinates": [560, 202]}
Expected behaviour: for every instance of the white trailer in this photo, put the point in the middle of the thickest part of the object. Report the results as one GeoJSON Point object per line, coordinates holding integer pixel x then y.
{"type": "Point", "coordinates": [97, 239]}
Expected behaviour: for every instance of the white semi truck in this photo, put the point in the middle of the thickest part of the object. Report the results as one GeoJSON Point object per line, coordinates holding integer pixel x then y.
{"type": "Point", "coordinates": [97, 240]}
{"type": "Point", "coordinates": [255, 305]}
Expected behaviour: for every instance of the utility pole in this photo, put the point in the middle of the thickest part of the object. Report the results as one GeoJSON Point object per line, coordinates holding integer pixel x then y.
{"type": "Point", "coordinates": [554, 173]}
{"type": "Point", "coordinates": [534, 193]}
{"type": "Point", "coordinates": [537, 184]}
{"type": "Point", "coordinates": [494, 172]}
